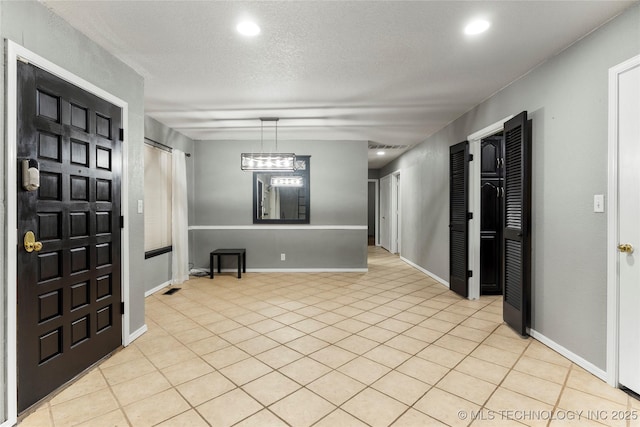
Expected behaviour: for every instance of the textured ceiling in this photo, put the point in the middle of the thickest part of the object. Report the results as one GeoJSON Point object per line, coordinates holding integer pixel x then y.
{"type": "Point", "coordinates": [391, 73]}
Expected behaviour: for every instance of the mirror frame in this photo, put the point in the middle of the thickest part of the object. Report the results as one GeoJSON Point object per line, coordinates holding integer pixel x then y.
{"type": "Point", "coordinates": [305, 174]}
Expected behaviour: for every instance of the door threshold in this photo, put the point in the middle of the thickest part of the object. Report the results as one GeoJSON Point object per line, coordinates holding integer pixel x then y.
{"type": "Point", "coordinates": [33, 408]}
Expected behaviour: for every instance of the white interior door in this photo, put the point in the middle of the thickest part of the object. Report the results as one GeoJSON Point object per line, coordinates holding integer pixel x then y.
{"type": "Point", "coordinates": [395, 211]}
{"type": "Point", "coordinates": [629, 227]}
{"type": "Point", "coordinates": [385, 212]}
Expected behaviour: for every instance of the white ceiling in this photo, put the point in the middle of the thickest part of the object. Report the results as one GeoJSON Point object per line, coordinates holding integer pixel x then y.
{"type": "Point", "coordinates": [390, 72]}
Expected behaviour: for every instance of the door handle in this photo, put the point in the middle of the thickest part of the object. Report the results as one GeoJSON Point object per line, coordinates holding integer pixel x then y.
{"type": "Point", "coordinates": [625, 248]}
{"type": "Point", "coordinates": [30, 243]}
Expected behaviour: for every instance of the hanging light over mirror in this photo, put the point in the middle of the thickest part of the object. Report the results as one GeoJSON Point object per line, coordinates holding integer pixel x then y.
{"type": "Point", "coordinates": [268, 161]}
{"type": "Point", "coordinates": [287, 181]}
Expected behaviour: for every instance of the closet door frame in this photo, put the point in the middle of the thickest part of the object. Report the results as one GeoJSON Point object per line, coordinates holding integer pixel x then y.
{"type": "Point", "coordinates": [475, 140]}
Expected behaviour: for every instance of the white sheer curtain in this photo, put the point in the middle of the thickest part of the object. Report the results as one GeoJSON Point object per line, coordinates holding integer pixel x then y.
{"type": "Point", "coordinates": [179, 227]}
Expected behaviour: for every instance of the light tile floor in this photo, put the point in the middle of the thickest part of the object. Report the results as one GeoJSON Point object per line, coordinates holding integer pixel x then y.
{"type": "Point", "coordinates": [387, 347]}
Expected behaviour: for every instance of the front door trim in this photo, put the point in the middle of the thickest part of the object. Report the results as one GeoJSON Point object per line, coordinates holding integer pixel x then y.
{"type": "Point", "coordinates": [613, 284]}
{"type": "Point", "coordinates": [16, 52]}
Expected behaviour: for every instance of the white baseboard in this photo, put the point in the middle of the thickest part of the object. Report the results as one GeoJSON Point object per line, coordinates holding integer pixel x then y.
{"type": "Point", "coordinates": [425, 271]}
{"type": "Point", "coordinates": [135, 335]}
{"type": "Point", "coordinates": [157, 288]}
{"type": "Point", "coordinates": [294, 270]}
{"type": "Point", "coordinates": [585, 364]}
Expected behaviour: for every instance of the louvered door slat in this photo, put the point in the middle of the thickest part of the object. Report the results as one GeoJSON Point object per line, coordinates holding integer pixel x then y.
{"type": "Point", "coordinates": [517, 219]}
{"type": "Point", "coordinates": [458, 223]}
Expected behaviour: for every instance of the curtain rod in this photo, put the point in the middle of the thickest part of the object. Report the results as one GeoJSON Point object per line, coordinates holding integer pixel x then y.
{"type": "Point", "coordinates": [163, 146]}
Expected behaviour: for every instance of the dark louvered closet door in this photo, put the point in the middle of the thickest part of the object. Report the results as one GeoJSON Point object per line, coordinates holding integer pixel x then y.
{"type": "Point", "coordinates": [517, 217]}
{"type": "Point", "coordinates": [458, 218]}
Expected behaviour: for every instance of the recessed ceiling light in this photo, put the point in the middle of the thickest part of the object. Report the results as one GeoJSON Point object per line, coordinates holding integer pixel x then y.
{"type": "Point", "coordinates": [248, 28]}
{"type": "Point", "coordinates": [476, 27]}
{"type": "Point", "coordinates": [380, 153]}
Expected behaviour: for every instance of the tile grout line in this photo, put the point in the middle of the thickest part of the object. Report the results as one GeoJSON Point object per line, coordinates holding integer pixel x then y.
{"type": "Point", "coordinates": [562, 389]}
{"type": "Point", "coordinates": [352, 295]}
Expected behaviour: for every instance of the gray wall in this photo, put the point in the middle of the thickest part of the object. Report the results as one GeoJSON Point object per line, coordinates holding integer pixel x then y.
{"type": "Point", "coordinates": [33, 26]}
{"type": "Point", "coordinates": [224, 195]}
{"type": "Point", "coordinates": [157, 270]}
{"type": "Point", "coordinates": [373, 173]}
{"type": "Point", "coordinates": [567, 99]}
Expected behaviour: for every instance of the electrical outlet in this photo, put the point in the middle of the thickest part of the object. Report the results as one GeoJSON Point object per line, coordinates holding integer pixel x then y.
{"type": "Point", "coordinates": [140, 206]}
{"type": "Point", "coordinates": [283, 257]}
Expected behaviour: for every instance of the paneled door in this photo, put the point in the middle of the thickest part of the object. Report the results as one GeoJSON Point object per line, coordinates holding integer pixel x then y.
{"type": "Point", "coordinates": [628, 132]}
{"type": "Point", "coordinates": [68, 287]}
{"type": "Point", "coordinates": [491, 191]}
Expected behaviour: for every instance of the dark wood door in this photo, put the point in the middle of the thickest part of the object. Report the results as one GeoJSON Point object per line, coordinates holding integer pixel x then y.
{"type": "Point", "coordinates": [69, 295]}
{"type": "Point", "coordinates": [491, 190]}
{"type": "Point", "coordinates": [516, 204]}
{"type": "Point", "coordinates": [459, 218]}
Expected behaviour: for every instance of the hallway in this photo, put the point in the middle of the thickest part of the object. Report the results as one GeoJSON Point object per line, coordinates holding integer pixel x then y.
{"type": "Point", "coordinates": [387, 347]}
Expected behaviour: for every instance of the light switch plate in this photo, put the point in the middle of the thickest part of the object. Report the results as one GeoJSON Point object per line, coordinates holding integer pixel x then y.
{"type": "Point", "coordinates": [598, 203]}
{"type": "Point", "coordinates": [139, 206]}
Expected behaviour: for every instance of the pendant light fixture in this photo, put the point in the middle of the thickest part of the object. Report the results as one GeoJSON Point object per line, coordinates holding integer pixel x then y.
{"type": "Point", "coordinates": [287, 181]}
{"type": "Point", "coordinates": [265, 162]}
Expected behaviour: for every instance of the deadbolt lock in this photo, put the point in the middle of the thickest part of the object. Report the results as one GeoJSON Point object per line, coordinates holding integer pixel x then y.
{"type": "Point", "coordinates": [625, 247]}
{"type": "Point", "coordinates": [30, 243]}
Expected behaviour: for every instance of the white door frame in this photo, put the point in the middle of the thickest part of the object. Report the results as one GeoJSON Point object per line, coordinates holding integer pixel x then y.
{"type": "Point", "coordinates": [395, 212]}
{"type": "Point", "coordinates": [385, 211]}
{"type": "Point", "coordinates": [613, 278]}
{"type": "Point", "coordinates": [377, 205]}
{"type": "Point", "coordinates": [15, 52]}
{"type": "Point", "coordinates": [474, 202]}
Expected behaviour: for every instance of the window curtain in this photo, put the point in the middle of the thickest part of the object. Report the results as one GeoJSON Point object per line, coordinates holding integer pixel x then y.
{"type": "Point", "coordinates": [180, 225]}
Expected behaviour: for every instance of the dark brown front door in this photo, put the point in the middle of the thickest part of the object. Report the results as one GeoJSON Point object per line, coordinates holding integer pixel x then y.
{"type": "Point", "coordinates": [69, 296]}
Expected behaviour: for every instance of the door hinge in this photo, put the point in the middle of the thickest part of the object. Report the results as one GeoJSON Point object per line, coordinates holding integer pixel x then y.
{"type": "Point", "coordinates": [121, 135]}
{"type": "Point", "coordinates": [471, 157]}
{"type": "Point", "coordinates": [122, 307]}
{"type": "Point", "coordinates": [469, 273]}
{"type": "Point", "coordinates": [469, 215]}
{"type": "Point", "coordinates": [121, 221]}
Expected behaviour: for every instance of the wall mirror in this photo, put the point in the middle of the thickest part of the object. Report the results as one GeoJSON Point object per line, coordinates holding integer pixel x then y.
{"type": "Point", "coordinates": [282, 197]}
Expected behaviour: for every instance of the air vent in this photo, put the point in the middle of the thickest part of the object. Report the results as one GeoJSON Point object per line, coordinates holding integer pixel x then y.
{"type": "Point", "coordinates": [376, 146]}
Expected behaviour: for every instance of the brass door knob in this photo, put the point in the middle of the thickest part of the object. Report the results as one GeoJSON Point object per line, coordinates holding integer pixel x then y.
{"type": "Point", "coordinates": [30, 243]}
{"type": "Point", "coordinates": [625, 247]}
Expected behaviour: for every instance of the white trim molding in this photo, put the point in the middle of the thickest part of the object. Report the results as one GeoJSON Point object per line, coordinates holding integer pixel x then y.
{"type": "Point", "coordinates": [16, 52]}
{"type": "Point", "coordinates": [277, 227]}
{"type": "Point", "coordinates": [578, 360]}
{"type": "Point", "coordinates": [427, 272]}
{"type": "Point", "coordinates": [157, 288]}
{"type": "Point", "coordinates": [295, 270]}
{"type": "Point", "coordinates": [613, 285]}
{"type": "Point", "coordinates": [138, 333]}
{"type": "Point", "coordinates": [474, 202]}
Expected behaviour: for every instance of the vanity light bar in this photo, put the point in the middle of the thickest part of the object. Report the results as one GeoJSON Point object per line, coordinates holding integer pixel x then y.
{"type": "Point", "coordinates": [287, 181]}
{"type": "Point", "coordinates": [267, 162]}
